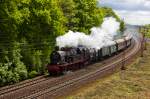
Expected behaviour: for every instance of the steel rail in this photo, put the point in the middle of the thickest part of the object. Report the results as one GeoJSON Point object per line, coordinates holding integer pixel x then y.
{"type": "Point", "coordinates": [56, 83]}
{"type": "Point", "coordinates": [53, 90]}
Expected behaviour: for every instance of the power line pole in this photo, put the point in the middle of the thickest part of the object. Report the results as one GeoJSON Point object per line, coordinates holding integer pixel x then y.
{"type": "Point", "coordinates": [123, 60]}
{"type": "Point", "coordinates": [145, 39]}
{"type": "Point", "coordinates": [142, 47]}
{"type": "Point", "coordinates": [123, 68]}
{"type": "Point", "coordinates": [142, 40]}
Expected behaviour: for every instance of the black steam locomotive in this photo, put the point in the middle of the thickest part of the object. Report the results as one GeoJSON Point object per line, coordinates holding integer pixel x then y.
{"type": "Point", "coordinates": [68, 59]}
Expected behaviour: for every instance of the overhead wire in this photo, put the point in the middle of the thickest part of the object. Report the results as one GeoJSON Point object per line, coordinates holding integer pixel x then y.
{"type": "Point", "coordinates": [1, 52]}
{"type": "Point", "coordinates": [25, 47]}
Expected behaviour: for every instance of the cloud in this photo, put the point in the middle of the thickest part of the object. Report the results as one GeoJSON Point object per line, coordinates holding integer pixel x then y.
{"type": "Point", "coordinates": [135, 12]}
{"type": "Point", "coordinates": [127, 4]}
{"type": "Point", "coordinates": [135, 17]}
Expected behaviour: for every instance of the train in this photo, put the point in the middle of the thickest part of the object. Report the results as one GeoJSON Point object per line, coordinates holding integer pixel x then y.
{"type": "Point", "coordinates": [73, 58]}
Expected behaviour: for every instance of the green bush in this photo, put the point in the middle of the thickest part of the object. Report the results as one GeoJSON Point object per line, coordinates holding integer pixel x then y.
{"type": "Point", "coordinates": [33, 74]}
{"type": "Point", "coordinates": [23, 74]}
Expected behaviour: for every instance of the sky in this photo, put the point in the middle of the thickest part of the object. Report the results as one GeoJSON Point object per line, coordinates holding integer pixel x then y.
{"type": "Point", "coordinates": [134, 12]}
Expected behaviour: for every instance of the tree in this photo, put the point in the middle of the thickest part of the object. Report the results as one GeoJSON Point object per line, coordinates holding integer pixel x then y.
{"type": "Point", "coordinates": [89, 15]}
{"type": "Point", "coordinates": [69, 10]}
{"type": "Point", "coordinates": [46, 21]}
{"type": "Point", "coordinates": [122, 26]}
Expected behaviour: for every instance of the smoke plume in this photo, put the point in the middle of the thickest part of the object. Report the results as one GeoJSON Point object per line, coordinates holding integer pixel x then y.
{"type": "Point", "coordinates": [99, 37]}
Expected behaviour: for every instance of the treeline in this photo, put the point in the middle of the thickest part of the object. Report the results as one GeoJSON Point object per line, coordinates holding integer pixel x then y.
{"type": "Point", "coordinates": [28, 29]}
{"type": "Point", "coordinates": [145, 30]}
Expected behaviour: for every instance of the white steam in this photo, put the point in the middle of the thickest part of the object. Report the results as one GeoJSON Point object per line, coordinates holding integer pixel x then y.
{"type": "Point", "coordinates": [99, 37]}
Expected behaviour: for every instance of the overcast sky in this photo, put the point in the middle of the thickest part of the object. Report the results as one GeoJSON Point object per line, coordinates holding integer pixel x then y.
{"type": "Point", "coordinates": [135, 12]}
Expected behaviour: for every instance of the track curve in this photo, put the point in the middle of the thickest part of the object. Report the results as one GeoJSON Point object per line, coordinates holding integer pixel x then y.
{"type": "Point", "coordinates": [55, 91]}
{"type": "Point", "coordinates": [47, 88]}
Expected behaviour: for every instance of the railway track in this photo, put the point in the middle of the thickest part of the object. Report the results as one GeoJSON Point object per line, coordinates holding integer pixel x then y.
{"type": "Point", "coordinates": [55, 91]}
{"type": "Point", "coordinates": [46, 86]}
{"type": "Point", "coordinates": [10, 88]}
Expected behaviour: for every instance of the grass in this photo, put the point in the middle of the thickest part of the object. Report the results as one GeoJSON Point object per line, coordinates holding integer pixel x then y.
{"type": "Point", "coordinates": [134, 83]}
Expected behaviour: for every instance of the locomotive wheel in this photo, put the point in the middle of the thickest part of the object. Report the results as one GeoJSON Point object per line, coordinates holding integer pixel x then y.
{"type": "Point", "coordinates": [56, 71]}
{"type": "Point", "coordinates": [80, 65]}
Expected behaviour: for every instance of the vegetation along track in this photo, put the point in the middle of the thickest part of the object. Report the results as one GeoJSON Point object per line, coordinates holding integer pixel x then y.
{"type": "Point", "coordinates": [47, 86]}
{"type": "Point", "coordinates": [62, 88]}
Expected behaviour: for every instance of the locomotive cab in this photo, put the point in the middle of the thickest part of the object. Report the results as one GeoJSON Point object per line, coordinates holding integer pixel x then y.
{"type": "Point", "coordinates": [55, 57]}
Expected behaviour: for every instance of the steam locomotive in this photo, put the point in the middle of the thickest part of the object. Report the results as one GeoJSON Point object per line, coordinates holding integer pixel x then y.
{"type": "Point", "coordinates": [73, 58]}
